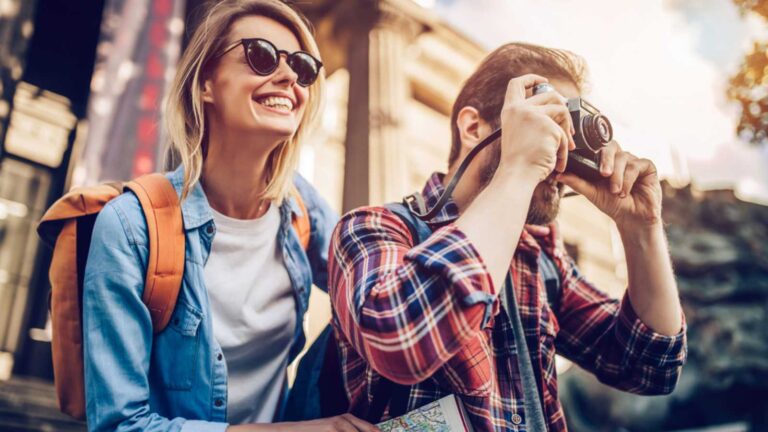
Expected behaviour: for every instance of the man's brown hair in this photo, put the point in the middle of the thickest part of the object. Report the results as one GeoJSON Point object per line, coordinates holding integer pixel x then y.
{"type": "Point", "coordinates": [485, 89]}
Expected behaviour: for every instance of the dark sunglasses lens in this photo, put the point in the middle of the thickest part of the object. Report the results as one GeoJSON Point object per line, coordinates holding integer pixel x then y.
{"type": "Point", "coordinates": [305, 66]}
{"type": "Point", "coordinates": [262, 57]}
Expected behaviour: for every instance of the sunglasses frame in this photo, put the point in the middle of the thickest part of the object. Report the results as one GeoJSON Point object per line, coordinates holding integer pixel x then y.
{"type": "Point", "coordinates": [288, 55]}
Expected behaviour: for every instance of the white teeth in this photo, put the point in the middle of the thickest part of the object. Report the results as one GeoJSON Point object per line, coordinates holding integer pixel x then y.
{"type": "Point", "coordinates": [278, 102]}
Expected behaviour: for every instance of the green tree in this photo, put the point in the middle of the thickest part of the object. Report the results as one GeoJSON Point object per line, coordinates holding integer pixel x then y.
{"type": "Point", "coordinates": [749, 86]}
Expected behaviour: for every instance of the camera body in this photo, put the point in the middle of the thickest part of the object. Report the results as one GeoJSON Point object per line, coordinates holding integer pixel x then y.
{"type": "Point", "coordinates": [593, 132]}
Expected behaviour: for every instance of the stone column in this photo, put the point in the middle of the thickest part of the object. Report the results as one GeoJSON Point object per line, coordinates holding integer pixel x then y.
{"type": "Point", "coordinates": [375, 164]}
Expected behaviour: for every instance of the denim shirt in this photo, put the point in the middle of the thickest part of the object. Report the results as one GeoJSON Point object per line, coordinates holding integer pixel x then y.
{"type": "Point", "coordinates": [177, 379]}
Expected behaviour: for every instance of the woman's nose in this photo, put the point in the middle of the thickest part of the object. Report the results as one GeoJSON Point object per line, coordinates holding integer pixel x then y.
{"type": "Point", "coordinates": [284, 74]}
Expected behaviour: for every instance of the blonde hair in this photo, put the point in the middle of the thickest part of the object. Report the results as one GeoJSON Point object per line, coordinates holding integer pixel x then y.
{"type": "Point", "coordinates": [184, 117]}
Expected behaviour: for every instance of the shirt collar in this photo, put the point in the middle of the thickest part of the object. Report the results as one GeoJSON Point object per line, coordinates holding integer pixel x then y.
{"type": "Point", "coordinates": [196, 210]}
{"type": "Point", "coordinates": [431, 194]}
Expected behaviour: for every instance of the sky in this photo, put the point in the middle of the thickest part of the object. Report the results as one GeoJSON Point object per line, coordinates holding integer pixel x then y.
{"type": "Point", "coordinates": [658, 70]}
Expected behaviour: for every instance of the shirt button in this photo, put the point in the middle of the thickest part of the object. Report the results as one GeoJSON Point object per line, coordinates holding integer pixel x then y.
{"type": "Point", "coordinates": [218, 402]}
{"type": "Point", "coordinates": [516, 419]}
{"type": "Point", "coordinates": [219, 357]}
{"type": "Point", "coordinates": [209, 229]}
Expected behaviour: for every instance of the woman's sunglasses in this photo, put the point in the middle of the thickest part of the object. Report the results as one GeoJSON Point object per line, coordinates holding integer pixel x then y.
{"type": "Point", "coordinates": [264, 57]}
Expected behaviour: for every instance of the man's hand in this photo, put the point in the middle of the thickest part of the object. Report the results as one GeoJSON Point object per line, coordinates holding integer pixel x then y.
{"type": "Point", "coordinates": [533, 143]}
{"type": "Point", "coordinates": [342, 423]}
{"type": "Point", "coordinates": [536, 132]}
{"type": "Point", "coordinates": [630, 192]}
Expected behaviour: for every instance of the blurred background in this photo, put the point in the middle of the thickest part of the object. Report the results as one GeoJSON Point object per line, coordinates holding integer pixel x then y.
{"type": "Point", "coordinates": [685, 83]}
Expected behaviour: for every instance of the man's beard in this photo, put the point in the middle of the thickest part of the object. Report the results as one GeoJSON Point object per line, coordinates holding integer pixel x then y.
{"type": "Point", "coordinates": [545, 202]}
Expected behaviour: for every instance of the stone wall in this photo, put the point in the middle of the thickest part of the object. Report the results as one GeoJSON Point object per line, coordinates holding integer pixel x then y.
{"type": "Point", "coordinates": [719, 247]}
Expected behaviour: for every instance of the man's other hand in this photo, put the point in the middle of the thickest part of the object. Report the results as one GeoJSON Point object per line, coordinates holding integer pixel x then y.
{"type": "Point", "coordinates": [630, 192]}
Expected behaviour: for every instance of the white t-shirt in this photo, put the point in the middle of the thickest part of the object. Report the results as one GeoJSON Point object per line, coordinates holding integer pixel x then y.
{"type": "Point", "coordinates": [254, 315]}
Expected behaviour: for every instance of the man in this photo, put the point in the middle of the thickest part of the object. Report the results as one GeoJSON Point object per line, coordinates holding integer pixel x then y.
{"type": "Point", "coordinates": [429, 316]}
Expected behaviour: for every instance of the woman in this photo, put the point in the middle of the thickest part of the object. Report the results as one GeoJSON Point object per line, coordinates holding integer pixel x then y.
{"type": "Point", "coordinates": [247, 89]}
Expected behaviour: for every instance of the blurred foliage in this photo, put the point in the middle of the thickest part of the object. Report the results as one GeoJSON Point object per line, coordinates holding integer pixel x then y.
{"type": "Point", "coordinates": [759, 7]}
{"type": "Point", "coordinates": [749, 86]}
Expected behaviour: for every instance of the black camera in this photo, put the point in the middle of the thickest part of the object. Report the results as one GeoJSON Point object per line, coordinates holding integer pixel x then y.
{"type": "Point", "coordinates": [593, 132]}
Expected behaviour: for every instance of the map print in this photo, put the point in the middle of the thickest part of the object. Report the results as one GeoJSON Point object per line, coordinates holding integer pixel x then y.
{"type": "Point", "coordinates": [428, 418]}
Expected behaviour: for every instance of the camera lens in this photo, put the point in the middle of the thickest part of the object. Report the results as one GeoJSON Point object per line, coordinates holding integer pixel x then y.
{"type": "Point", "coordinates": [597, 131]}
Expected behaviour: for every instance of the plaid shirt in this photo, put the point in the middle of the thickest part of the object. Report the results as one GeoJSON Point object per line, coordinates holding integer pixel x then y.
{"type": "Point", "coordinates": [428, 316]}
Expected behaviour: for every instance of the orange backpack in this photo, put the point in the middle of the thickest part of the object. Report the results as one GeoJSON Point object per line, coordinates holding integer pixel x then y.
{"type": "Point", "coordinates": [67, 226]}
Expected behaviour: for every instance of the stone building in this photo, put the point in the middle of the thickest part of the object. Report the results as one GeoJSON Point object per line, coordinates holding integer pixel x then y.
{"type": "Point", "coordinates": [393, 70]}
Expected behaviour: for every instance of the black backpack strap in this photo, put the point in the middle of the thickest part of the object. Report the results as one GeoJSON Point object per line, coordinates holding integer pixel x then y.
{"type": "Point", "coordinates": [420, 231]}
{"type": "Point", "coordinates": [388, 393]}
{"type": "Point", "coordinates": [318, 389]}
{"type": "Point", "coordinates": [551, 276]}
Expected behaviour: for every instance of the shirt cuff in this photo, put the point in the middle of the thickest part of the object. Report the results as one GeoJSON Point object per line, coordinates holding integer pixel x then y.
{"type": "Point", "coordinates": [647, 346]}
{"type": "Point", "coordinates": [449, 252]}
{"type": "Point", "coordinates": [203, 426]}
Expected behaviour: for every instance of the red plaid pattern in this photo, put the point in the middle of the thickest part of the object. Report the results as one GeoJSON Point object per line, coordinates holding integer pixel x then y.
{"type": "Point", "coordinates": [428, 316]}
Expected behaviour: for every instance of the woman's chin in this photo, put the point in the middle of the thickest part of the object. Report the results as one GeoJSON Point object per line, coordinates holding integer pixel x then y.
{"type": "Point", "coordinates": [283, 127]}
{"type": "Point", "coordinates": [279, 132]}
{"type": "Point", "coordinates": [274, 122]}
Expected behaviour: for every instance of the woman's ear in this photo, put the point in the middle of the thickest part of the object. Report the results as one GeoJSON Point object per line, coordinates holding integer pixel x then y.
{"type": "Point", "coordinates": [468, 122]}
{"type": "Point", "coordinates": [207, 92]}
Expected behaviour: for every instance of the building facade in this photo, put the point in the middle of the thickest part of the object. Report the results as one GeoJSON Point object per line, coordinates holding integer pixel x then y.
{"type": "Point", "coordinates": [393, 71]}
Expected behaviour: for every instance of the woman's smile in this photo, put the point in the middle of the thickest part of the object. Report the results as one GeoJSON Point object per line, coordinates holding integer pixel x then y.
{"type": "Point", "coordinates": [278, 104]}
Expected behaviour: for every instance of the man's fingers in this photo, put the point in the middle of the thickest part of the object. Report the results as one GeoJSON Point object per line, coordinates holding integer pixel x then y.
{"type": "Point", "coordinates": [554, 98]}
{"type": "Point", "coordinates": [578, 184]}
{"type": "Point", "coordinates": [343, 424]}
{"type": "Point", "coordinates": [361, 425]}
{"type": "Point", "coordinates": [517, 86]}
{"type": "Point", "coordinates": [617, 178]}
{"type": "Point", "coordinates": [538, 230]}
{"type": "Point", "coordinates": [562, 152]}
{"type": "Point", "coordinates": [635, 168]}
{"type": "Point", "coordinates": [607, 155]}
{"type": "Point", "coordinates": [630, 175]}
{"type": "Point", "coordinates": [561, 116]}
{"type": "Point", "coordinates": [547, 98]}
{"type": "Point", "coordinates": [554, 130]}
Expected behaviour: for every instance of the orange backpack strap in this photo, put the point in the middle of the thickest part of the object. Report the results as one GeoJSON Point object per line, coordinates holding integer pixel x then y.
{"type": "Point", "coordinates": [165, 227]}
{"type": "Point", "coordinates": [301, 223]}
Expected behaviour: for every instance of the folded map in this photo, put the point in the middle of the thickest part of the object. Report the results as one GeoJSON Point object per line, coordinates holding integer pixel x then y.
{"type": "Point", "coordinates": [444, 415]}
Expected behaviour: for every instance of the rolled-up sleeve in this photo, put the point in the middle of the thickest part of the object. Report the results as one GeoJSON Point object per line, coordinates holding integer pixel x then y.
{"type": "Point", "coordinates": [406, 309]}
{"type": "Point", "coordinates": [647, 346]}
{"type": "Point", "coordinates": [606, 337]}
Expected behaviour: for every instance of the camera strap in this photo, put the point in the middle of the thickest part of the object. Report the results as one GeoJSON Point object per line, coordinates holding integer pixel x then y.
{"type": "Point", "coordinates": [416, 203]}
